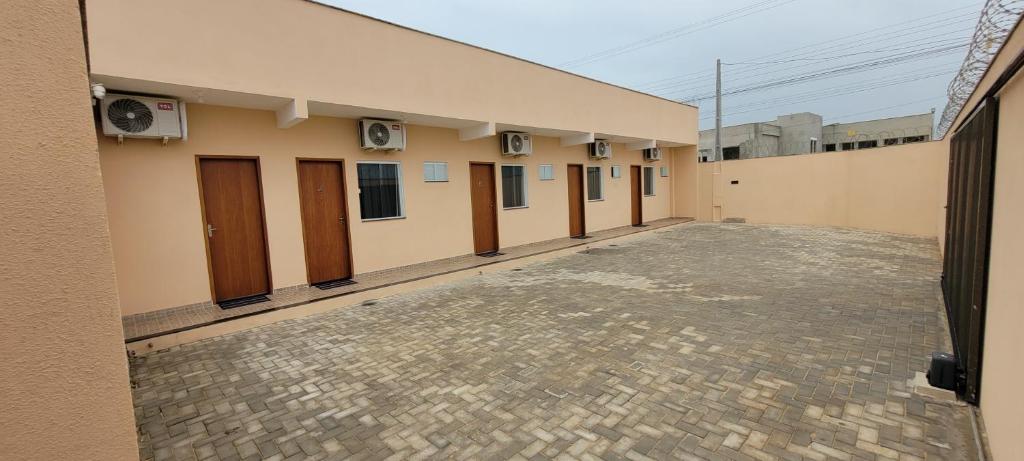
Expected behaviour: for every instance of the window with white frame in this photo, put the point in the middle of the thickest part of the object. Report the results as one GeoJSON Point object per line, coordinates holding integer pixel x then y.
{"type": "Point", "coordinates": [435, 171]}
{"type": "Point", "coordinates": [616, 171]}
{"type": "Point", "coordinates": [595, 183]}
{"type": "Point", "coordinates": [664, 172]}
{"type": "Point", "coordinates": [648, 180]}
{"type": "Point", "coordinates": [380, 190]}
{"type": "Point", "coordinates": [547, 173]}
{"type": "Point", "coordinates": [513, 186]}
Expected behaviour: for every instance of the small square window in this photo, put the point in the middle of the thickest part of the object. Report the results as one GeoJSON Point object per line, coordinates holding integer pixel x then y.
{"type": "Point", "coordinates": [595, 183]}
{"type": "Point", "coordinates": [910, 139]}
{"type": "Point", "coordinates": [664, 172]}
{"type": "Point", "coordinates": [648, 180]}
{"type": "Point", "coordinates": [547, 173]}
{"type": "Point", "coordinates": [616, 171]}
{"type": "Point", "coordinates": [867, 144]}
{"type": "Point", "coordinates": [435, 171]}
{"type": "Point", "coordinates": [830, 147]}
{"type": "Point", "coordinates": [848, 146]}
{"type": "Point", "coordinates": [513, 186]}
{"type": "Point", "coordinates": [892, 141]}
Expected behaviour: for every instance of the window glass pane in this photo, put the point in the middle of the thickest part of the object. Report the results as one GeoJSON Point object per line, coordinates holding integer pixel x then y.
{"type": "Point", "coordinates": [616, 171]}
{"type": "Point", "coordinates": [547, 172]}
{"type": "Point", "coordinates": [594, 191]}
{"type": "Point", "coordinates": [513, 186]}
{"type": "Point", "coordinates": [664, 172]}
{"type": "Point", "coordinates": [648, 180]}
{"type": "Point", "coordinates": [379, 194]}
{"type": "Point", "coordinates": [435, 171]}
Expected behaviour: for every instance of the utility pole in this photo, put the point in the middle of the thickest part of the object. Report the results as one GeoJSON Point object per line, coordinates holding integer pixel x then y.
{"type": "Point", "coordinates": [718, 110]}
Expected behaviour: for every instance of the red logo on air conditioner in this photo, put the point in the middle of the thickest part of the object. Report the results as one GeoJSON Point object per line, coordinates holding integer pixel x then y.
{"type": "Point", "coordinates": [165, 106]}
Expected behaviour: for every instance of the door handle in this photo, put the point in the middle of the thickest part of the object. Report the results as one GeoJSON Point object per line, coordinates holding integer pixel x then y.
{"type": "Point", "coordinates": [209, 230]}
{"type": "Point", "coordinates": [341, 219]}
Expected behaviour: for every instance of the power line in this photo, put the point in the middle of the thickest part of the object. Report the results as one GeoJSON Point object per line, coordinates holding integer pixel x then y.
{"type": "Point", "coordinates": [831, 93]}
{"type": "Point", "coordinates": [836, 71]}
{"type": "Point", "coordinates": [761, 75]}
{"type": "Point", "coordinates": [760, 70]}
{"type": "Point", "coordinates": [902, 31]}
{"type": "Point", "coordinates": [672, 34]}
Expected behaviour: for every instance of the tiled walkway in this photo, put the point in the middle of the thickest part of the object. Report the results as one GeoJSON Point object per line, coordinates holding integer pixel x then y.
{"type": "Point", "coordinates": [141, 326]}
{"type": "Point", "coordinates": [696, 342]}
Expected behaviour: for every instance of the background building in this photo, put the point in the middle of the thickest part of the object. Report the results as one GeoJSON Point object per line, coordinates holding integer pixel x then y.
{"type": "Point", "coordinates": [803, 133]}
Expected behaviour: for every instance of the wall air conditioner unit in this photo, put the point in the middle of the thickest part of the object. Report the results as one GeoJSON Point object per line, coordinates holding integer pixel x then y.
{"type": "Point", "coordinates": [652, 154]}
{"type": "Point", "coordinates": [600, 149]}
{"type": "Point", "coordinates": [516, 143]}
{"type": "Point", "coordinates": [140, 117]}
{"type": "Point", "coordinates": [381, 134]}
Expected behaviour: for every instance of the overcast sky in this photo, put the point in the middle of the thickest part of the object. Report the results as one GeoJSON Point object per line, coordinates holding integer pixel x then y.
{"type": "Point", "coordinates": [910, 49]}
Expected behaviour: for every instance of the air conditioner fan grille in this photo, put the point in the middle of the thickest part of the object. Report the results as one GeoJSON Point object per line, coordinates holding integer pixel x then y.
{"type": "Point", "coordinates": [130, 115]}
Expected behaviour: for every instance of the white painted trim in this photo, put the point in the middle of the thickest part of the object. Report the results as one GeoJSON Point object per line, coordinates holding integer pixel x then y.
{"type": "Point", "coordinates": [482, 130]}
{"type": "Point", "coordinates": [293, 113]}
{"type": "Point", "coordinates": [577, 139]}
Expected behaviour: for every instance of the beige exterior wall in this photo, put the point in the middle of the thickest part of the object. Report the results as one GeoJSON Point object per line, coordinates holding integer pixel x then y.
{"type": "Point", "coordinates": [156, 223]}
{"type": "Point", "coordinates": [195, 49]}
{"type": "Point", "coordinates": [1002, 401]}
{"type": "Point", "coordinates": [890, 189]}
{"type": "Point", "coordinates": [64, 391]}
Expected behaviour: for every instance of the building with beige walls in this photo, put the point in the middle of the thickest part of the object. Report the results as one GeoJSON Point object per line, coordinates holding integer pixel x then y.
{"type": "Point", "coordinates": [127, 228]}
{"type": "Point", "coordinates": [243, 99]}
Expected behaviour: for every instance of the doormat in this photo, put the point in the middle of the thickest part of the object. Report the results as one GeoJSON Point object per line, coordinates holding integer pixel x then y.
{"type": "Point", "coordinates": [581, 237]}
{"type": "Point", "coordinates": [334, 284]}
{"type": "Point", "coordinates": [231, 304]}
{"type": "Point", "coordinates": [491, 254]}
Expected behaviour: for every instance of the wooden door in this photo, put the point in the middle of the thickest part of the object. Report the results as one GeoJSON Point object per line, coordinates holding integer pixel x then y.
{"type": "Point", "coordinates": [577, 220]}
{"type": "Point", "coordinates": [324, 220]}
{"type": "Point", "coordinates": [235, 232]}
{"type": "Point", "coordinates": [485, 211]}
{"type": "Point", "coordinates": [636, 193]}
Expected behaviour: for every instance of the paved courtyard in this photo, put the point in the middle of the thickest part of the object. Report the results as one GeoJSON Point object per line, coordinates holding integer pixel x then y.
{"type": "Point", "coordinates": [700, 341]}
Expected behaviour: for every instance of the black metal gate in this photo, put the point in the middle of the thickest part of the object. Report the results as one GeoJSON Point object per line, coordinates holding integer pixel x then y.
{"type": "Point", "coordinates": [968, 218]}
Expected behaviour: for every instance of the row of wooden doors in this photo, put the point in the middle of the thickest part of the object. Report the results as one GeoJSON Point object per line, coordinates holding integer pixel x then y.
{"type": "Point", "coordinates": [232, 200]}
{"type": "Point", "coordinates": [484, 201]}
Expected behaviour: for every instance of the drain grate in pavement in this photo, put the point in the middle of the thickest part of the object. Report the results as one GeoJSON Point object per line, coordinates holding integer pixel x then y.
{"type": "Point", "coordinates": [243, 302]}
{"type": "Point", "coordinates": [334, 284]}
{"type": "Point", "coordinates": [491, 254]}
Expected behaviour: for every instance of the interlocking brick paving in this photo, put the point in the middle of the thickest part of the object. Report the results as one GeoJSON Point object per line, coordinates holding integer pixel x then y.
{"type": "Point", "coordinates": [703, 341]}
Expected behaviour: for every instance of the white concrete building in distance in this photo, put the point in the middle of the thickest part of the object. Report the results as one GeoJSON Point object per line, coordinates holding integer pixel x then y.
{"type": "Point", "coordinates": [804, 133]}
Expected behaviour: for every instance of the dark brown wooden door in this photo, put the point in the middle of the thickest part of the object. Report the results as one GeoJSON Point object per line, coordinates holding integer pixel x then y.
{"type": "Point", "coordinates": [636, 193]}
{"type": "Point", "coordinates": [577, 220]}
{"type": "Point", "coordinates": [233, 207]}
{"type": "Point", "coordinates": [324, 220]}
{"type": "Point", "coordinates": [485, 213]}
